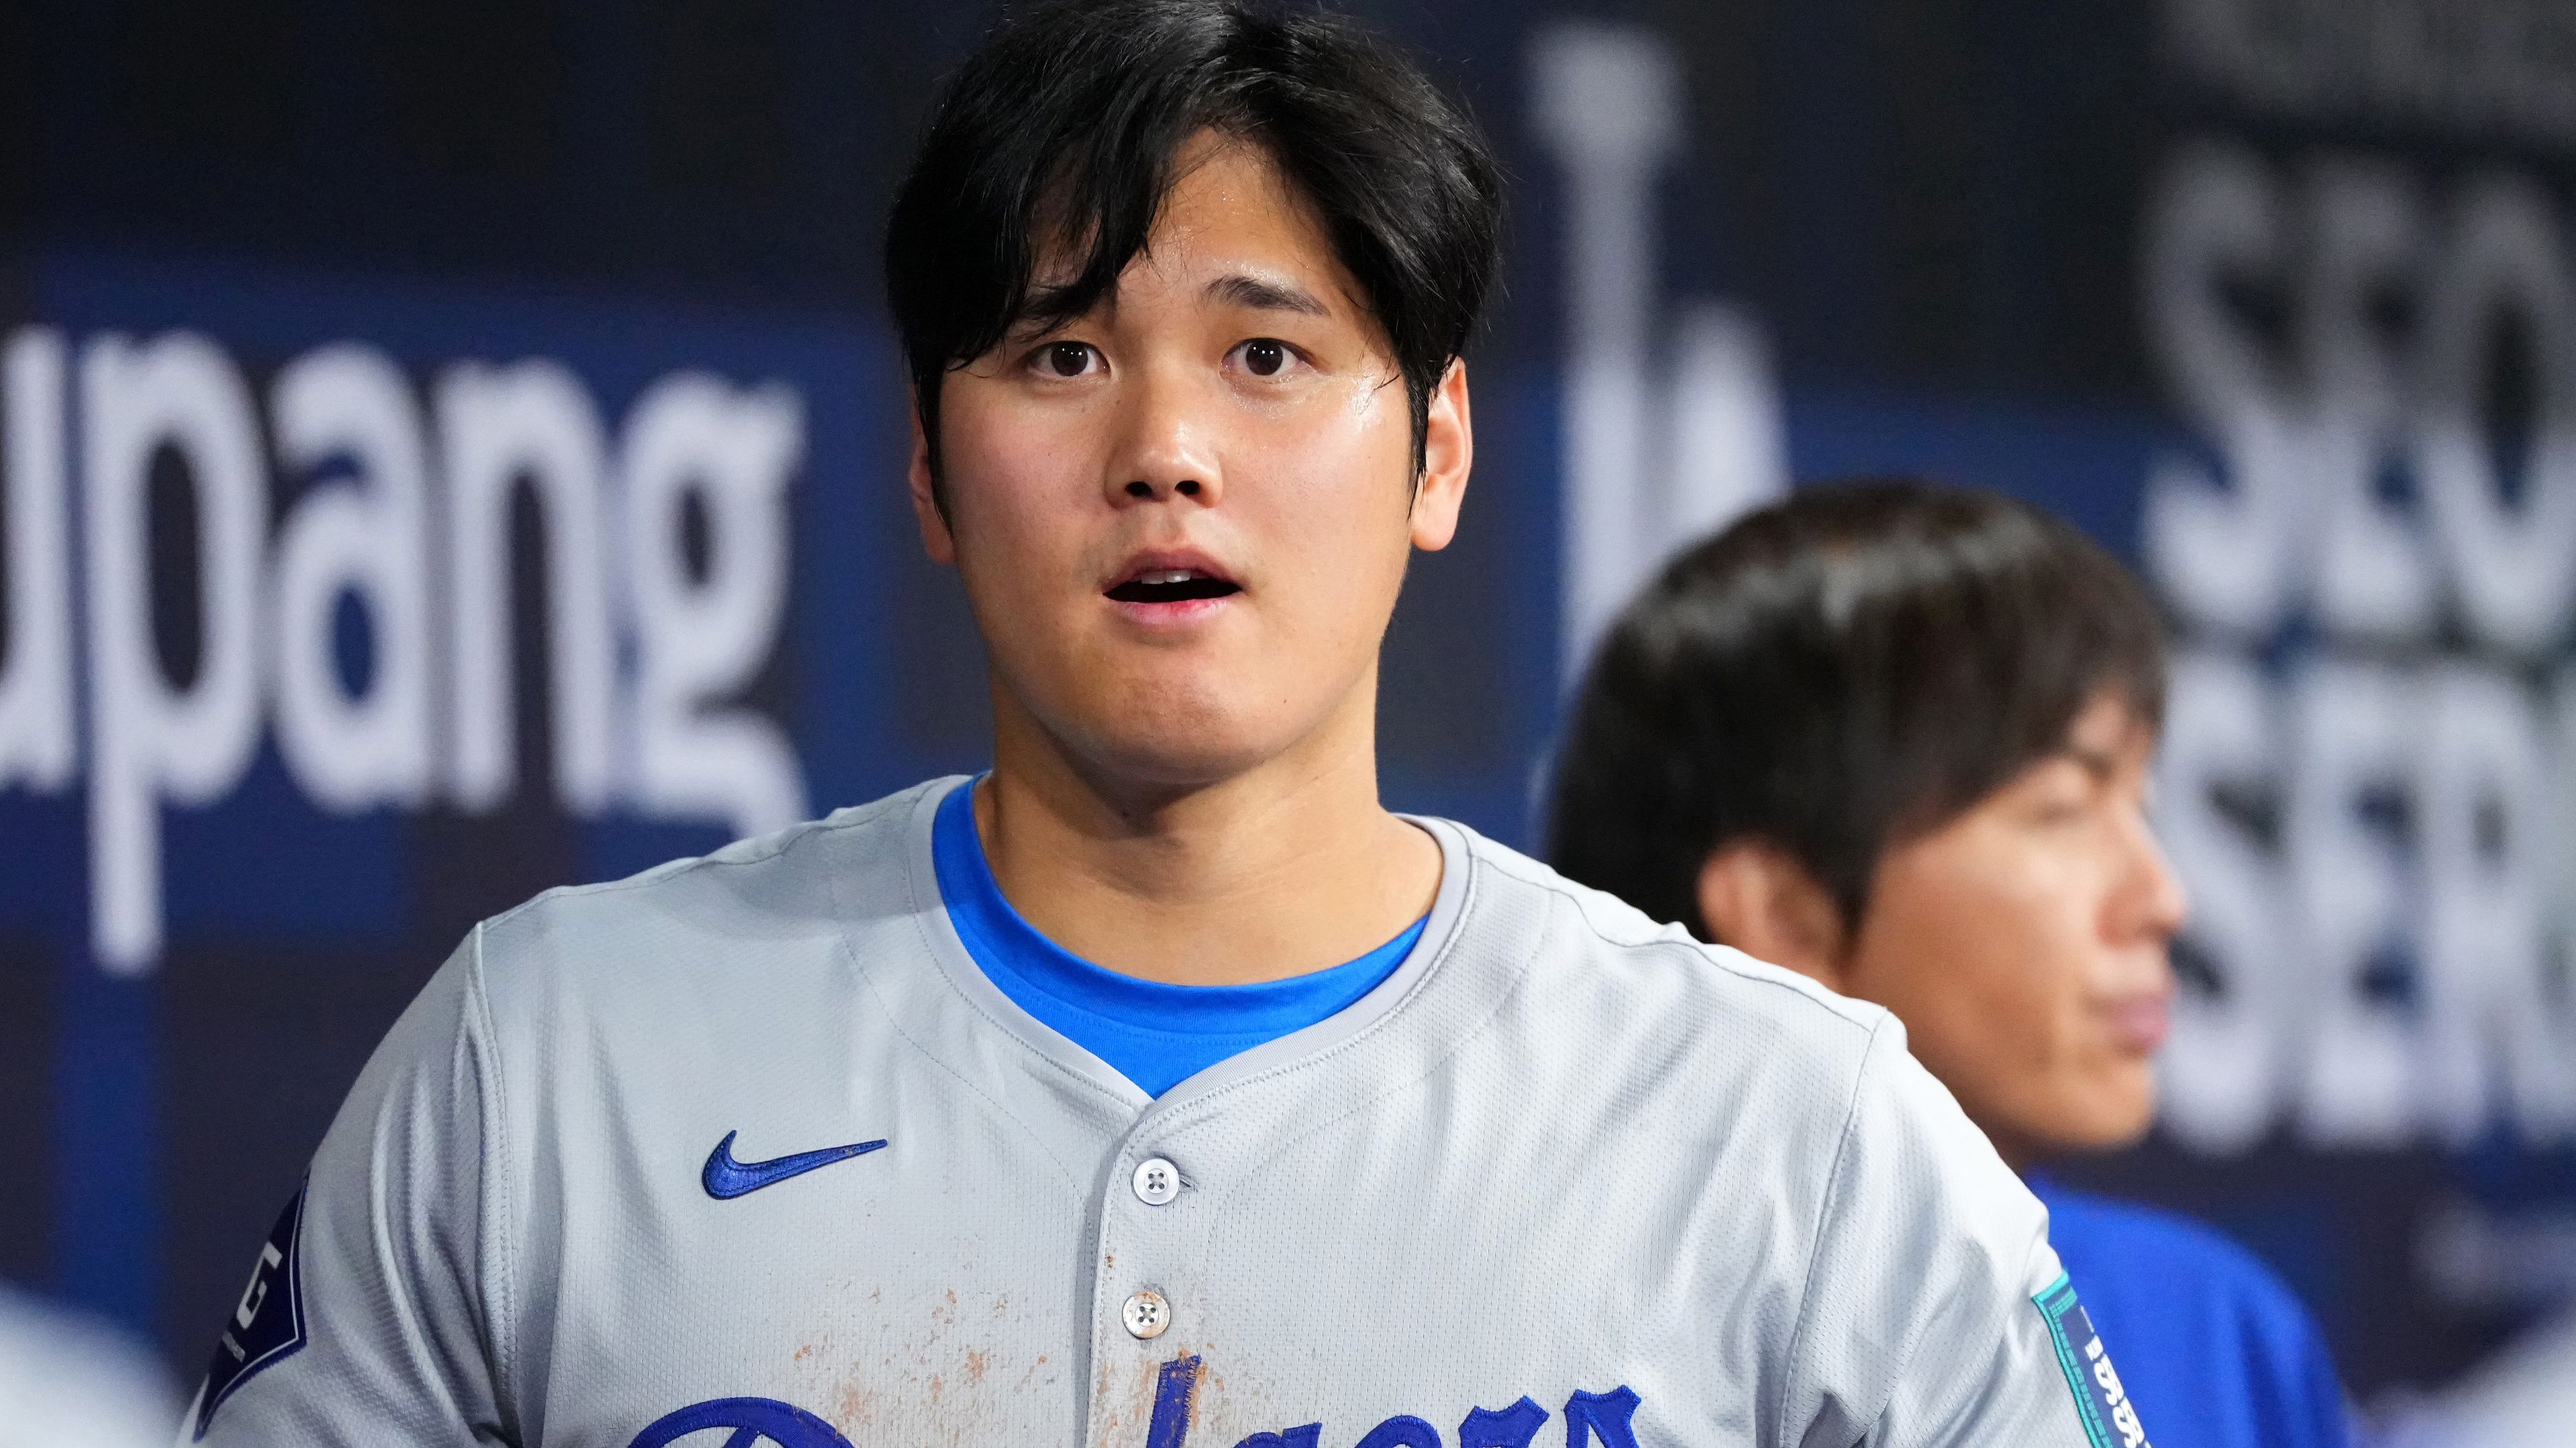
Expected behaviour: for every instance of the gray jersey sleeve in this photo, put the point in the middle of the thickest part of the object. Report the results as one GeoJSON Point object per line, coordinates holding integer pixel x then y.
{"type": "Point", "coordinates": [1920, 1326]}
{"type": "Point", "coordinates": [376, 1311]}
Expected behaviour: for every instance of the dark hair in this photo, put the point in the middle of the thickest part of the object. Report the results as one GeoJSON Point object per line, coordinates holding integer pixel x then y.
{"type": "Point", "coordinates": [1059, 132]}
{"type": "Point", "coordinates": [1838, 672]}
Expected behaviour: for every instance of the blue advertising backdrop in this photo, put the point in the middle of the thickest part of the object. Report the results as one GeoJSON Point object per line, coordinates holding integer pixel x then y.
{"type": "Point", "coordinates": [454, 448]}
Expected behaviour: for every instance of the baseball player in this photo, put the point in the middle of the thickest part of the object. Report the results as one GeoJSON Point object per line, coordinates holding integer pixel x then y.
{"type": "Point", "coordinates": [1896, 736]}
{"type": "Point", "coordinates": [1158, 1087]}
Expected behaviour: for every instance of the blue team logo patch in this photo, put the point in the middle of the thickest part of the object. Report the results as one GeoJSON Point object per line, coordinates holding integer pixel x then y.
{"type": "Point", "coordinates": [268, 1322]}
{"type": "Point", "coordinates": [2110, 1419]}
{"type": "Point", "coordinates": [748, 1421]}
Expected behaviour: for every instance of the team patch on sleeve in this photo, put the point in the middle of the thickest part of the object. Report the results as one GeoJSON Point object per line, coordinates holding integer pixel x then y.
{"type": "Point", "coordinates": [267, 1324]}
{"type": "Point", "coordinates": [2110, 1419]}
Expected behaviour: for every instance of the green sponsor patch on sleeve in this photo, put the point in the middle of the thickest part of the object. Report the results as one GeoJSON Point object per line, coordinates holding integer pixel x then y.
{"type": "Point", "coordinates": [2110, 1419]}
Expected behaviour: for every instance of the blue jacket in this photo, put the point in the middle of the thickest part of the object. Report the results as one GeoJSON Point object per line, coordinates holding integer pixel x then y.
{"type": "Point", "coordinates": [2216, 1351]}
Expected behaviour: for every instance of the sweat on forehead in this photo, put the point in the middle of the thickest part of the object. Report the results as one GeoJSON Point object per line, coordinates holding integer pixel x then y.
{"type": "Point", "coordinates": [1058, 140]}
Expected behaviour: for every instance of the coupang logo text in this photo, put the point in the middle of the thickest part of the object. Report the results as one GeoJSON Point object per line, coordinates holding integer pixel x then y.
{"type": "Point", "coordinates": [401, 492]}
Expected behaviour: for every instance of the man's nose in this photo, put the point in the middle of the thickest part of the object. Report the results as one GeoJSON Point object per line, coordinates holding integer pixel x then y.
{"type": "Point", "coordinates": [2153, 902]}
{"type": "Point", "coordinates": [1162, 452]}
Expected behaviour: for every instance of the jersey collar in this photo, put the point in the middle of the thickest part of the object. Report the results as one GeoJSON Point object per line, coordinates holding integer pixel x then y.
{"type": "Point", "coordinates": [963, 976]}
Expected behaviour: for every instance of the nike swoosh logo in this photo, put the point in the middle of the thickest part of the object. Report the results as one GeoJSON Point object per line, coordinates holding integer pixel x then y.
{"type": "Point", "coordinates": [726, 1178]}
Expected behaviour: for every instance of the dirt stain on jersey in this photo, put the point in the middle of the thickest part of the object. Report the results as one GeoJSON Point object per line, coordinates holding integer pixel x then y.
{"type": "Point", "coordinates": [1125, 1413]}
{"type": "Point", "coordinates": [854, 1408]}
{"type": "Point", "coordinates": [876, 1381]}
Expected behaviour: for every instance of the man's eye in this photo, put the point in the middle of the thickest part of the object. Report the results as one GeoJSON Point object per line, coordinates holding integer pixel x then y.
{"type": "Point", "coordinates": [1066, 359]}
{"type": "Point", "coordinates": [1264, 356]}
{"type": "Point", "coordinates": [2061, 807]}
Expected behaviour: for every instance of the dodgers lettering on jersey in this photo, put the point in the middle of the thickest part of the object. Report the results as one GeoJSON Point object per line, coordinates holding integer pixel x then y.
{"type": "Point", "coordinates": [747, 1150]}
{"type": "Point", "coordinates": [1590, 1418]}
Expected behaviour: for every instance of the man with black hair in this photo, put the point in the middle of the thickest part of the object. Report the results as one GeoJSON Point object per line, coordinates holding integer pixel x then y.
{"type": "Point", "coordinates": [1896, 737]}
{"type": "Point", "coordinates": [1159, 1086]}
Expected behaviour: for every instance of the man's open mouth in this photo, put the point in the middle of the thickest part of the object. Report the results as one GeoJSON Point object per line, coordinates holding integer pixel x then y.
{"type": "Point", "coordinates": [1172, 585]}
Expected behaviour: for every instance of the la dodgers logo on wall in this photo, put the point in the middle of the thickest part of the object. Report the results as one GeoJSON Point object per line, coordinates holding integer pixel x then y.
{"type": "Point", "coordinates": [2110, 1419]}
{"type": "Point", "coordinates": [268, 1323]}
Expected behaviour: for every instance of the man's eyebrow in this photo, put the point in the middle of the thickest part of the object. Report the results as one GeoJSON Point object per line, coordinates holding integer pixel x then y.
{"type": "Point", "coordinates": [2099, 763]}
{"type": "Point", "coordinates": [1237, 289]}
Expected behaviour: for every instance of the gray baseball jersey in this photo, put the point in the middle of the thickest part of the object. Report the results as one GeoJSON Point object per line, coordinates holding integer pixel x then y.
{"type": "Point", "coordinates": [746, 1150]}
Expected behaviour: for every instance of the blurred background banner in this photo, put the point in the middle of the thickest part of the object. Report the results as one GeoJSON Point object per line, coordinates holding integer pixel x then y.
{"type": "Point", "coordinates": [452, 448]}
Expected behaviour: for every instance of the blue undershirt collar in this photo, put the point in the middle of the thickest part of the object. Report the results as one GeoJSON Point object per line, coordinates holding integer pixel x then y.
{"type": "Point", "coordinates": [1155, 1034]}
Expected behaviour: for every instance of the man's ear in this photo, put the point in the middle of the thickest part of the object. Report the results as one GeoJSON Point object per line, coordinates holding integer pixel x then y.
{"type": "Point", "coordinates": [1758, 898]}
{"type": "Point", "coordinates": [936, 540]}
{"type": "Point", "coordinates": [1448, 455]}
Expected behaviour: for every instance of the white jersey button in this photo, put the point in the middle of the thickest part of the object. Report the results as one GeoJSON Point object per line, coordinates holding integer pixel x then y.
{"type": "Point", "coordinates": [1146, 1314]}
{"type": "Point", "coordinates": [1157, 1181]}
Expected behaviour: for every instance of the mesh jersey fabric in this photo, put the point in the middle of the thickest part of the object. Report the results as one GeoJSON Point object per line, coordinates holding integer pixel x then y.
{"type": "Point", "coordinates": [1563, 1167]}
{"type": "Point", "coordinates": [2220, 1351]}
{"type": "Point", "coordinates": [1154, 1034]}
